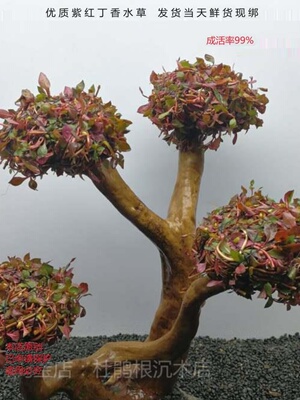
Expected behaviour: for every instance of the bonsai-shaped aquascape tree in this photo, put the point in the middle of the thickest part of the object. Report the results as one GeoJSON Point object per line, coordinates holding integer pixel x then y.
{"type": "Point", "coordinates": [250, 245]}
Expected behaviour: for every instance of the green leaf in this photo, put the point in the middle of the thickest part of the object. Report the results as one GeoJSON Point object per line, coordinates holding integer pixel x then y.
{"type": "Point", "coordinates": [92, 89]}
{"type": "Point", "coordinates": [163, 115]}
{"type": "Point", "coordinates": [269, 302]}
{"type": "Point", "coordinates": [42, 150]}
{"type": "Point", "coordinates": [40, 90]}
{"type": "Point", "coordinates": [236, 256]}
{"type": "Point", "coordinates": [219, 97]}
{"type": "Point", "coordinates": [268, 289]}
{"type": "Point", "coordinates": [74, 290]}
{"type": "Point", "coordinates": [185, 64]}
{"type": "Point", "coordinates": [226, 221]}
{"type": "Point", "coordinates": [293, 273]}
{"type": "Point", "coordinates": [40, 97]}
{"type": "Point", "coordinates": [252, 113]}
{"type": "Point", "coordinates": [276, 254]}
{"type": "Point", "coordinates": [53, 285]}
{"type": "Point", "coordinates": [285, 291]}
{"type": "Point", "coordinates": [57, 296]}
{"type": "Point", "coordinates": [177, 124]}
{"type": "Point", "coordinates": [32, 184]}
{"type": "Point", "coordinates": [209, 58]}
{"type": "Point", "coordinates": [170, 101]}
{"type": "Point", "coordinates": [180, 75]}
{"type": "Point", "coordinates": [32, 298]}
{"type": "Point", "coordinates": [46, 269]}
{"type": "Point", "coordinates": [80, 87]}
{"type": "Point", "coordinates": [225, 248]}
{"type": "Point", "coordinates": [76, 309]}
{"type": "Point", "coordinates": [25, 273]}
{"type": "Point", "coordinates": [232, 123]}
{"type": "Point", "coordinates": [30, 283]}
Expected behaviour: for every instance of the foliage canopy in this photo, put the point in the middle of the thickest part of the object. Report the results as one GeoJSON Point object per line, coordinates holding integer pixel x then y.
{"type": "Point", "coordinates": [68, 133]}
{"type": "Point", "coordinates": [37, 302]}
{"type": "Point", "coordinates": [253, 244]}
{"type": "Point", "coordinates": [196, 104]}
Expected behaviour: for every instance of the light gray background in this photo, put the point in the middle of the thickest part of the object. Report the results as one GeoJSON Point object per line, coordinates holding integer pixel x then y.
{"type": "Point", "coordinates": [68, 218]}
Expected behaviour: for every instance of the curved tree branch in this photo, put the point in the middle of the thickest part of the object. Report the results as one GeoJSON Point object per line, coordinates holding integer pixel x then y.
{"type": "Point", "coordinates": [109, 182]}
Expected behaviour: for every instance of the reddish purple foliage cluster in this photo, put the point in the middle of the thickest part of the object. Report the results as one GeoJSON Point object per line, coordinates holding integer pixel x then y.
{"type": "Point", "coordinates": [198, 103]}
{"type": "Point", "coordinates": [37, 301]}
{"type": "Point", "coordinates": [67, 133]}
{"type": "Point", "coordinates": [253, 244]}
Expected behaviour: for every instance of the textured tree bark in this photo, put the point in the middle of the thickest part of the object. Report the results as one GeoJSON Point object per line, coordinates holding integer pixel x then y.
{"type": "Point", "coordinates": [144, 370]}
{"type": "Point", "coordinates": [176, 268]}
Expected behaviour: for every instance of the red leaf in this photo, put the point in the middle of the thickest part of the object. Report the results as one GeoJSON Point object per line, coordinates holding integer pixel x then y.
{"type": "Point", "coordinates": [68, 92]}
{"type": "Point", "coordinates": [43, 160]}
{"type": "Point", "coordinates": [215, 144]}
{"type": "Point", "coordinates": [16, 313]}
{"type": "Point", "coordinates": [262, 294]}
{"type": "Point", "coordinates": [288, 219]}
{"type": "Point", "coordinates": [288, 197]}
{"type": "Point", "coordinates": [234, 138]}
{"type": "Point", "coordinates": [214, 283]}
{"type": "Point", "coordinates": [15, 336]}
{"type": "Point", "coordinates": [66, 330]}
{"type": "Point", "coordinates": [44, 83]}
{"type": "Point", "coordinates": [270, 231]}
{"type": "Point", "coordinates": [283, 234]}
{"type": "Point", "coordinates": [245, 209]}
{"type": "Point", "coordinates": [241, 269]}
{"type": "Point", "coordinates": [26, 257]}
{"type": "Point", "coordinates": [17, 180]}
{"type": "Point", "coordinates": [27, 95]}
{"type": "Point", "coordinates": [37, 143]}
{"type": "Point", "coordinates": [82, 312]}
{"type": "Point", "coordinates": [291, 248]}
{"type": "Point", "coordinates": [4, 114]}
{"type": "Point", "coordinates": [201, 267]}
{"type": "Point", "coordinates": [25, 331]}
{"type": "Point", "coordinates": [84, 287]}
{"type": "Point", "coordinates": [11, 121]}
{"type": "Point", "coordinates": [153, 77]}
{"type": "Point", "coordinates": [143, 109]}
{"type": "Point", "coordinates": [67, 132]}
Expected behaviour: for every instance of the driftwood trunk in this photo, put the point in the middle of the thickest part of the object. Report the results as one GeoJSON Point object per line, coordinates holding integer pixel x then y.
{"type": "Point", "coordinates": [144, 370]}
